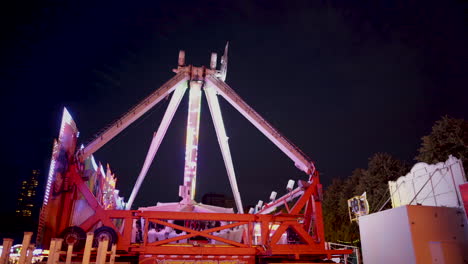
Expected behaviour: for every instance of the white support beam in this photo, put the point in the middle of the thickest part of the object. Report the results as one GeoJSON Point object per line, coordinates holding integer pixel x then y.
{"type": "Point", "coordinates": [132, 115]}
{"type": "Point", "coordinates": [157, 139]}
{"type": "Point", "coordinates": [215, 111]}
{"type": "Point", "coordinates": [191, 144]}
{"type": "Point", "coordinates": [294, 153]}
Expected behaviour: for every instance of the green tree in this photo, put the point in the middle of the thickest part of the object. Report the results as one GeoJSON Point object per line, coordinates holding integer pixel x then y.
{"type": "Point", "coordinates": [382, 167]}
{"type": "Point", "coordinates": [332, 217]}
{"type": "Point", "coordinates": [349, 232]}
{"type": "Point", "coordinates": [338, 227]}
{"type": "Point", "coordinates": [449, 136]}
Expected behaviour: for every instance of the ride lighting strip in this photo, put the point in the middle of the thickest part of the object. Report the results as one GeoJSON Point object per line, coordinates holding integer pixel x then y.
{"type": "Point", "coordinates": [191, 146]}
{"type": "Point", "coordinates": [50, 177]}
{"type": "Point", "coordinates": [66, 119]}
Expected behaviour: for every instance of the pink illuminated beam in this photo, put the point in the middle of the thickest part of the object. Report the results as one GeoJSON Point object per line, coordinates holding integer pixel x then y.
{"type": "Point", "coordinates": [294, 153]}
{"type": "Point", "coordinates": [215, 110]}
{"type": "Point", "coordinates": [157, 139]}
{"type": "Point", "coordinates": [187, 191]}
{"type": "Point", "coordinates": [128, 118]}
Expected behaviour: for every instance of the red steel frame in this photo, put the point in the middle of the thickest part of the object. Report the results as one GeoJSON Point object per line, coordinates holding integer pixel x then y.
{"type": "Point", "coordinates": [304, 217]}
{"type": "Point", "coordinates": [464, 195]}
{"type": "Point", "coordinates": [305, 214]}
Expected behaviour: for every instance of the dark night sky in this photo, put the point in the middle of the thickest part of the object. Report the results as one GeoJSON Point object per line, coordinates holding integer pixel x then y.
{"type": "Point", "coordinates": [341, 79]}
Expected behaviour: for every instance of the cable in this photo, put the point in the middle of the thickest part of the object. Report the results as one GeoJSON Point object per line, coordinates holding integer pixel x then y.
{"type": "Point", "coordinates": [383, 197]}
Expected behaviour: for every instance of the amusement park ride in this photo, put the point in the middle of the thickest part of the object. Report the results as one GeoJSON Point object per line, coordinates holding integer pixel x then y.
{"type": "Point", "coordinates": [81, 196]}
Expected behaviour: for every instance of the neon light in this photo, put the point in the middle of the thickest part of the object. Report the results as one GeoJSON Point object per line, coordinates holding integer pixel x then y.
{"type": "Point", "coordinates": [191, 145]}
{"type": "Point", "coordinates": [66, 120]}
{"type": "Point", "coordinates": [50, 177]}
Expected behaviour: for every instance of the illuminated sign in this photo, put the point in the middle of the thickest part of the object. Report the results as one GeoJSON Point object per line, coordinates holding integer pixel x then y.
{"type": "Point", "coordinates": [191, 147]}
{"type": "Point", "coordinates": [358, 206]}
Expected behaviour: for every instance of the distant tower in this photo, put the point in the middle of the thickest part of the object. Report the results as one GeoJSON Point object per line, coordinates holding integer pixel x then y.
{"type": "Point", "coordinates": [27, 193]}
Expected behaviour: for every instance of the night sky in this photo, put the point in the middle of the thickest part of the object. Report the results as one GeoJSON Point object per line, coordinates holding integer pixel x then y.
{"type": "Point", "coordinates": [341, 79]}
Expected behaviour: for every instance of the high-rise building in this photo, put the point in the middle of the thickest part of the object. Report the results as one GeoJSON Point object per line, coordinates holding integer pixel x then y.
{"type": "Point", "coordinates": [27, 194]}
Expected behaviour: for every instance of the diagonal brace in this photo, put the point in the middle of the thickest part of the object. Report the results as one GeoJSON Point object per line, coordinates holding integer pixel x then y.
{"type": "Point", "coordinates": [299, 158]}
{"type": "Point", "coordinates": [157, 139]}
{"type": "Point", "coordinates": [192, 233]}
{"type": "Point", "coordinates": [132, 115]}
{"type": "Point", "coordinates": [215, 110]}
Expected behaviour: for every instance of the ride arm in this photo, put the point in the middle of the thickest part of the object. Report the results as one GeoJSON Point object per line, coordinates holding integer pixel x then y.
{"type": "Point", "coordinates": [136, 112]}
{"type": "Point", "coordinates": [215, 110]}
{"type": "Point", "coordinates": [156, 141]}
{"type": "Point", "coordinates": [301, 160]}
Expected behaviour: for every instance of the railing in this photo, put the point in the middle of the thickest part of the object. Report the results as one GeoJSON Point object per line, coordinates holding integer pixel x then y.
{"type": "Point", "coordinates": [354, 258]}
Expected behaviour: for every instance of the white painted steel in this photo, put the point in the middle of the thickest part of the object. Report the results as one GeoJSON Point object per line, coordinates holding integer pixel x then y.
{"type": "Point", "coordinates": [132, 115]}
{"type": "Point", "coordinates": [273, 196]}
{"type": "Point", "coordinates": [213, 60]}
{"type": "Point", "coordinates": [224, 63]}
{"type": "Point", "coordinates": [430, 184]}
{"type": "Point", "coordinates": [271, 206]}
{"type": "Point", "coordinates": [181, 60]}
{"type": "Point", "coordinates": [294, 153]}
{"type": "Point", "coordinates": [157, 139]}
{"type": "Point", "coordinates": [215, 111]}
{"type": "Point", "coordinates": [290, 185]}
{"type": "Point", "coordinates": [191, 145]}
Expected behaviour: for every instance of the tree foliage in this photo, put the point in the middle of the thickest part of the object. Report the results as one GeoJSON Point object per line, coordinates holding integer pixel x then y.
{"type": "Point", "coordinates": [449, 136]}
{"type": "Point", "coordinates": [382, 167]}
